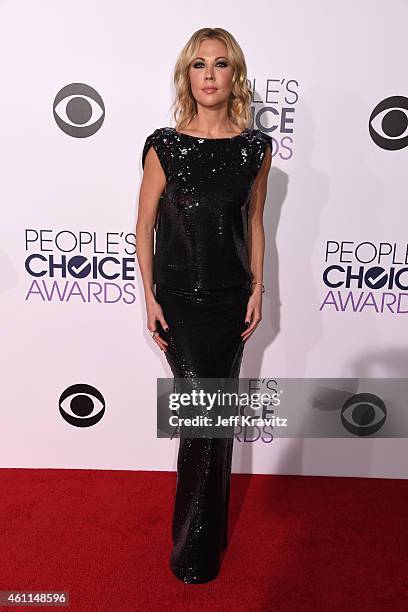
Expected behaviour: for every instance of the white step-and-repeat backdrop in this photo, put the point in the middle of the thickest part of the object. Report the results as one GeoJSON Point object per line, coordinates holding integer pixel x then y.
{"type": "Point", "coordinates": [83, 84]}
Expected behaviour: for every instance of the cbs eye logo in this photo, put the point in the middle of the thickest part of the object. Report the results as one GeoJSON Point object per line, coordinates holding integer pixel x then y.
{"type": "Point", "coordinates": [363, 414]}
{"type": "Point", "coordinates": [82, 405]}
{"type": "Point", "coordinates": [388, 123]}
{"type": "Point", "coordinates": [78, 110]}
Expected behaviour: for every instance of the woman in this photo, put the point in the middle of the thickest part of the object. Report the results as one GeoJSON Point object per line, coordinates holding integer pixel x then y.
{"type": "Point", "coordinates": [203, 191]}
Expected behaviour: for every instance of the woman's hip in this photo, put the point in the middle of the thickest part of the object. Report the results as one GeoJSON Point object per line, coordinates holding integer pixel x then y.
{"type": "Point", "coordinates": [204, 329]}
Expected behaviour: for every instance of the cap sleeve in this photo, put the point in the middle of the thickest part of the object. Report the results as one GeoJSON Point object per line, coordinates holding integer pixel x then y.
{"type": "Point", "coordinates": [263, 141]}
{"type": "Point", "coordinates": [159, 144]}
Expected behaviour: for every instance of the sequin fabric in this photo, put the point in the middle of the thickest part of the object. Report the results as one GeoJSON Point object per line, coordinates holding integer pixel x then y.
{"type": "Point", "coordinates": [202, 282]}
{"type": "Point", "coordinates": [204, 341]}
{"type": "Point", "coordinates": [202, 218]}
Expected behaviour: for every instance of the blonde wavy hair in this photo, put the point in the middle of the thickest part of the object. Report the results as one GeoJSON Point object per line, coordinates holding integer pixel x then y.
{"type": "Point", "coordinates": [239, 103]}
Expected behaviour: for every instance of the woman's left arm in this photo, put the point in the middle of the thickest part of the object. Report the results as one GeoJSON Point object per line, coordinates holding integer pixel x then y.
{"type": "Point", "coordinates": [256, 243]}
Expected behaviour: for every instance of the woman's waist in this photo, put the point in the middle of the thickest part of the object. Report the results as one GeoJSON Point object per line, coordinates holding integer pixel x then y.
{"type": "Point", "coordinates": [195, 290]}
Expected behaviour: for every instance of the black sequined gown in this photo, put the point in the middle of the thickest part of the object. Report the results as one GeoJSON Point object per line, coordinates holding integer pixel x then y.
{"type": "Point", "coordinates": [203, 282]}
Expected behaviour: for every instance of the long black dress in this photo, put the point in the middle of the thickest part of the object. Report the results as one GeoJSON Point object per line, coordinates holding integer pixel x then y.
{"type": "Point", "coordinates": [203, 282]}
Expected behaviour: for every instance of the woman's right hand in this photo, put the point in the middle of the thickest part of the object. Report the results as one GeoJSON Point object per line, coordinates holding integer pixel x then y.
{"type": "Point", "coordinates": [155, 313]}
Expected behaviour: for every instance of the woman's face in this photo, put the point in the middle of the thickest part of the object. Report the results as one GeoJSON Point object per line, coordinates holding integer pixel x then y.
{"type": "Point", "coordinates": [211, 74]}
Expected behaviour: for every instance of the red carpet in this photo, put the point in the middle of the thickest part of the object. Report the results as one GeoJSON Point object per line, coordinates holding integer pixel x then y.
{"type": "Point", "coordinates": [296, 543]}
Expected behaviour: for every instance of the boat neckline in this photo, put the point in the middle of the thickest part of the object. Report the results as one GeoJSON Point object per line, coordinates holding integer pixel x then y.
{"type": "Point", "coordinates": [204, 138]}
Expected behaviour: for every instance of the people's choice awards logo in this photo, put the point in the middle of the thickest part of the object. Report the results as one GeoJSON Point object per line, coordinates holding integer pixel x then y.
{"type": "Point", "coordinates": [79, 110]}
{"type": "Point", "coordinates": [388, 124]}
{"type": "Point", "coordinates": [365, 276]}
{"type": "Point", "coordinates": [274, 102]}
{"type": "Point", "coordinates": [75, 265]}
{"type": "Point", "coordinates": [82, 405]}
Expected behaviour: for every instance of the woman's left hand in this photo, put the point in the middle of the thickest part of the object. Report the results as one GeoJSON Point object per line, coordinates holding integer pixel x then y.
{"type": "Point", "coordinates": [254, 312]}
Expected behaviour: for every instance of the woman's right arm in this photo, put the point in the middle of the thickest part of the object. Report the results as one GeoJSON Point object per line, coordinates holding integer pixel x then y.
{"type": "Point", "coordinates": [152, 186]}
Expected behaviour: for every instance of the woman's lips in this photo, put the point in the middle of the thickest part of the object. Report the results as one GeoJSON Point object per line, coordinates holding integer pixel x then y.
{"type": "Point", "coordinates": [210, 89]}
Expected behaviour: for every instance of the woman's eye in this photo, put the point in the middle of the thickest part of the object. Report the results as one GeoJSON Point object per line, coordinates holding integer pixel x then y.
{"type": "Point", "coordinates": [199, 64]}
